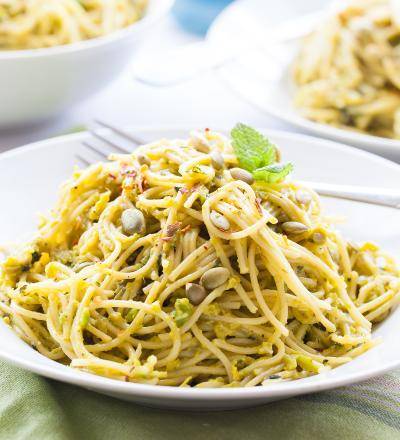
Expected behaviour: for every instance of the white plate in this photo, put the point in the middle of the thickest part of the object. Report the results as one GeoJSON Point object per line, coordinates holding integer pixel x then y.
{"type": "Point", "coordinates": [264, 80]}
{"type": "Point", "coordinates": [29, 180]}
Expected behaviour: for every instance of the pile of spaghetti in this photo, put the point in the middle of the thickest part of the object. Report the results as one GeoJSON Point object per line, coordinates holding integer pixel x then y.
{"type": "Point", "coordinates": [30, 24]}
{"type": "Point", "coordinates": [348, 71]}
{"type": "Point", "coordinates": [174, 266]}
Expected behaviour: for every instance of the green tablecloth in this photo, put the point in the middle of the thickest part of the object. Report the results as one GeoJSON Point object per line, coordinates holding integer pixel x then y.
{"type": "Point", "coordinates": [35, 408]}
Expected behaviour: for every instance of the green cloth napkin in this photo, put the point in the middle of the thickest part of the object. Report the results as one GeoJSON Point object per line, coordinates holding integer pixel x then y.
{"type": "Point", "coordinates": [32, 407]}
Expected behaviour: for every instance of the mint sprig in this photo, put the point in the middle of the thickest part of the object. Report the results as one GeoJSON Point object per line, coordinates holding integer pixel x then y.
{"type": "Point", "coordinates": [255, 153]}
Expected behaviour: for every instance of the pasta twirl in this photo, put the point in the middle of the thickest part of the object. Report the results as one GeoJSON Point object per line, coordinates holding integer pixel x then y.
{"type": "Point", "coordinates": [30, 24]}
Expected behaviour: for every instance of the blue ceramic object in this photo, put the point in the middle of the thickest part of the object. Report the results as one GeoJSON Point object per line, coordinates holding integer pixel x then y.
{"type": "Point", "coordinates": [197, 15]}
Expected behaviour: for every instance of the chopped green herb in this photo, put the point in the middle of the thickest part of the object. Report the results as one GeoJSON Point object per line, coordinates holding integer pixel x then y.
{"type": "Point", "coordinates": [183, 311]}
{"type": "Point", "coordinates": [62, 318]}
{"type": "Point", "coordinates": [130, 316]}
{"type": "Point", "coordinates": [308, 364]}
{"type": "Point", "coordinates": [290, 362]}
{"type": "Point", "coordinates": [198, 169]}
{"type": "Point", "coordinates": [84, 318]}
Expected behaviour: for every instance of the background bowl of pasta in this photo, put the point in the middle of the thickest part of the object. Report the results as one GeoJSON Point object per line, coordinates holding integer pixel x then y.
{"type": "Point", "coordinates": [54, 55]}
{"type": "Point", "coordinates": [48, 163]}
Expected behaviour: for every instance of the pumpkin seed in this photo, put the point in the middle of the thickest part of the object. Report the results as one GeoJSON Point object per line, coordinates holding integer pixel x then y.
{"type": "Point", "coordinates": [195, 293]}
{"type": "Point", "coordinates": [133, 221]}
{"type": "Point", "coordinates": [219, 221]}
{"type": "Point", "coordinates": [200, 142]}
{"type": "Point", "coordinates": [217, 160]}
{"type": "Point", "coordinates": [318, 238]}
{"type": "Point", "coordinates": [294, 227]}
{"type": "Point", "coordinates": [143, 160]}
{"type": "Point", "coordinates": [214, 278]}
{"type": "Point", "coordinates": [243, 175]}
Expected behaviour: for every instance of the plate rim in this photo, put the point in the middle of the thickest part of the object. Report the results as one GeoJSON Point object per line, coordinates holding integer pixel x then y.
{"type": "Point", "coordinates": [280, 390]}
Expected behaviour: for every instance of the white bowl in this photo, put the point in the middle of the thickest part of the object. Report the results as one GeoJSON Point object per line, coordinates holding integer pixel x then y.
{"type": "Point", "coordinates": [37, 84]}
{"type": "Point", "coordinates": [41, 168]}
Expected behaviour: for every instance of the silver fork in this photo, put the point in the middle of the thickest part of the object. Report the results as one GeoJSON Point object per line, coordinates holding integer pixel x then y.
{"type": "Point", "coordinates": [376, 196]}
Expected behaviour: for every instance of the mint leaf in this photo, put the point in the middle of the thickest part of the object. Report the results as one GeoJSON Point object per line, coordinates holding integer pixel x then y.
{"type": "Point", "coordinates": [273, 173]}
{"type": "Point", "coordinates": [255, 153]}
{"type": "Point", "coordinates": [252, 149]}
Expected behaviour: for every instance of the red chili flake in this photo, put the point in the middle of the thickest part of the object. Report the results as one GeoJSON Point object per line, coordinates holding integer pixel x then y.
{"type": "Point", "coordinates": [166, 238]}
{"type": "Point", "coordinates": [258, 205]}
{"type": "Point", "coordinates": [222, 230]}
{"type": "Point", "coordinates": [206, 129]}
{"type": "Point", "coordinates": [112, 176]}
{"type": "Point", "coordinates": [131, 173]}
{"type": "Point", "coordinates": [126, 378]}
{"type": "Point", "coordinates": [205, 247]}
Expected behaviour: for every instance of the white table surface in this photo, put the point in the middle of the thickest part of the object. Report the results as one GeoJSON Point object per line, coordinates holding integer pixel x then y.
{"type": "Point", "coordinates": [202, 102]}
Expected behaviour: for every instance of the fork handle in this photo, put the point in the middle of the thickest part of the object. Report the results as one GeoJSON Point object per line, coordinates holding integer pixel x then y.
{"type": "Point", "coordinates": [376, 196]}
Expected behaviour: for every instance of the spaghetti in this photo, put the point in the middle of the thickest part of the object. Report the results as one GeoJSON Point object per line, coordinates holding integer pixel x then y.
{"type": "Point", "coordinates": [159, 267]}
{"type": "Point", "coordinates": [347, 72]}
{"type": "Point", "coordinates": [30, 24]}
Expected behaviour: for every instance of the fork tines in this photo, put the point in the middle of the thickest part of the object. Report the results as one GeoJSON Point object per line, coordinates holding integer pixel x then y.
{"type": "Point", "coordinates": [109, 142]}
{"type": "Point", "coordinates": [96, 150]}
{"type": "Point", "coordinates": [109, 145]}
{"type": "Point", "coordinates": [121, 132]}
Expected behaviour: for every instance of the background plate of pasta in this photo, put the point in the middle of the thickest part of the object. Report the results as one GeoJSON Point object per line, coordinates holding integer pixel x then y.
{"type": "Point", "coordinates": [340, 82]}
{"type": "Point", "coordinates": [197, 272]}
